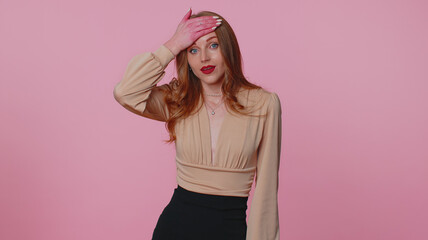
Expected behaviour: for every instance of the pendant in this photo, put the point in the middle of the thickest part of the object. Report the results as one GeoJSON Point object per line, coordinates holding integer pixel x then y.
{"type": "Point", "coordinates": [212, 112]}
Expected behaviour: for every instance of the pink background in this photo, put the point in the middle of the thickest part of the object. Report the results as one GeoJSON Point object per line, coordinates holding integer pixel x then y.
{"type": "Point", "coordinates": [351, 76]}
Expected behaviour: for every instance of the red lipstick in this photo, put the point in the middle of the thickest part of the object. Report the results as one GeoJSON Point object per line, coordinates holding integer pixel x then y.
{"type": "Point", "coordinates": [208, 69]}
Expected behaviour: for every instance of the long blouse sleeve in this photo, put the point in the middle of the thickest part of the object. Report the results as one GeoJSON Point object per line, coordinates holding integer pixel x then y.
{"type": "Point", "coordinates": [263, 222]}
{"type": "Point", "coordinates": [138, 91]}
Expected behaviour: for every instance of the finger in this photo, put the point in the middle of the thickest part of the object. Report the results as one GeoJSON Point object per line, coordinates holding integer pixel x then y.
{"type": "Point", "coordinates": [206, 25]}
{"type": "Point", "coordinates": [204, 32]}
{"type": "Point", "coordinates": [203, 18]}
{"type": "Point", "coordinates": [203, 24]}
{"type": "Point", "coordinates": [187, 16]}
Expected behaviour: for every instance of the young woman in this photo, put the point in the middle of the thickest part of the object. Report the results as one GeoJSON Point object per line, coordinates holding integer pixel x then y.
{"type": "Point", "coordinates": [227, 131]}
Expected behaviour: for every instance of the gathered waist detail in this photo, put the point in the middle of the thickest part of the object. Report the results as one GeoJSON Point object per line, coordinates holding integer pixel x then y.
{"type": "Point", "coordinates": [215, 180]}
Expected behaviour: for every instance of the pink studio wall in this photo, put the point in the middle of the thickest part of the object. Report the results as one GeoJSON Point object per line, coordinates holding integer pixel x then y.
{"type": "Point", "coordinates": [351, 76]}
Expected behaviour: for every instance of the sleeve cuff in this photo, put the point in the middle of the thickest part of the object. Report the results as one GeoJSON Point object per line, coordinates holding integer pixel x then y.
{"type": "Point", "coordinates": [164, 55]}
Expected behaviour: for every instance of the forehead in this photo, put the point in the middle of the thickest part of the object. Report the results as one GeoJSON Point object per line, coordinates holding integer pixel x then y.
{"type": "Point", "coordinates": [205, 38]}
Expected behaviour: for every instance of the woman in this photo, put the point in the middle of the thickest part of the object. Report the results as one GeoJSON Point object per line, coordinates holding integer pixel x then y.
{"type": "Point", "coordinates": [227, 131]}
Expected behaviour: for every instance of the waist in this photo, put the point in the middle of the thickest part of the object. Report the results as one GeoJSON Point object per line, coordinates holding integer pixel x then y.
{"type": "Point", "coordinates": [215, 180]}
{"type": "Point", "coordinates": [210, 201]}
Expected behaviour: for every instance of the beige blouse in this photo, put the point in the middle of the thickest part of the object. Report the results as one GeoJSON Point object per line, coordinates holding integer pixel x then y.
{"type": "Point", "coordinates": [247, 146]}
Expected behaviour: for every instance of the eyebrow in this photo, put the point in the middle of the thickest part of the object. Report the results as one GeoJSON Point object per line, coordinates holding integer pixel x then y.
{"type": "Point", "coordinates": [206, 40]}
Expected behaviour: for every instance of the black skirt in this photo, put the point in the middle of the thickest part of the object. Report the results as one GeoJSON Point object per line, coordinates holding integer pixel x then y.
{"type": "Point", "coordinates": [191, 215]}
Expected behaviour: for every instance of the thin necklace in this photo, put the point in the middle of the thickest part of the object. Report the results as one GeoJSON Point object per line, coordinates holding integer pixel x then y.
{"type": "Point", "coordinates": [214, 94]}
{"type": "Point", "coordinates": [213, 109]}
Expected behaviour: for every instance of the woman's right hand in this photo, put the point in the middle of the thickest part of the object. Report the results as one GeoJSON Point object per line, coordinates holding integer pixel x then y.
{"type": "Point", "coordinates": [189, 30]}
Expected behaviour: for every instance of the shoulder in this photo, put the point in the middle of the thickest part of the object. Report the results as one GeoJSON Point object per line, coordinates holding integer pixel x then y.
{"type": "Point", "coordinates": [261, 98]}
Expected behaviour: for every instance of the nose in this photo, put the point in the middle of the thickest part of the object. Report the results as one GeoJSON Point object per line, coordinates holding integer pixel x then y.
{"type": "Point", "coordinates": [205, 55]}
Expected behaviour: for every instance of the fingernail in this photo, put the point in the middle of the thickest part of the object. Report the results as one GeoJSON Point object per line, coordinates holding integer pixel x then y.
{"type": "Point", "coordinates": [216, 17]}
{"type": "Point", "coordinates": [218, 23]}
{"type": "Point", "coordinates": [219, 20]}
{"type": "Point", "coordinates": [214, 27]}
{"type": "Point", "coordinates": [188, 10]}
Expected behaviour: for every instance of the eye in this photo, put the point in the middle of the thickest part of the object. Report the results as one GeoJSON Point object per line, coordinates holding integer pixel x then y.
{"type": "Point", "coordinates": [215, 45]}
{"type": "Point", "coordinates": [192, 51]}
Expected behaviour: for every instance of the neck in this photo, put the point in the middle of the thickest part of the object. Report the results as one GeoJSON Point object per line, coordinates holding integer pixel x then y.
{"type": "Point", "coordinates": [212, 88]}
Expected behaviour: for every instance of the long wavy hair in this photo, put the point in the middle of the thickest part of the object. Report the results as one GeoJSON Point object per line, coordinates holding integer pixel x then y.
{"type": "Point", "coordinates": [183, 94]}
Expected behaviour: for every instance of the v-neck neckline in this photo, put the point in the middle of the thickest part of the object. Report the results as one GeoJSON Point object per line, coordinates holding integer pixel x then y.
{"type": "Point", "coordinates": [219, 135]}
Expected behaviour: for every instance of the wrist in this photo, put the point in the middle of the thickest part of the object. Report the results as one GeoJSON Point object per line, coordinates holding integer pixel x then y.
{"type": "Point", "coordinates": [172, 47]}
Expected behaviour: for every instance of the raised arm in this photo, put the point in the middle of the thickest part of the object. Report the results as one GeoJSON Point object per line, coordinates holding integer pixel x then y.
{"type": "Point", "coordinates": [138, 91]}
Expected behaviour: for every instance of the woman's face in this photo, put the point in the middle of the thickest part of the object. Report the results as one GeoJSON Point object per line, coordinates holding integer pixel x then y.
{"type": "Point", "coordinates": [206, 61]}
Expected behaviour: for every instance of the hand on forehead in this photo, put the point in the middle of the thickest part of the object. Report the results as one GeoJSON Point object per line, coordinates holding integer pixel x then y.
{"type": "Point", "coordinates": [205, 38]}
{"type": "Point", "coordinates": [190, 30]}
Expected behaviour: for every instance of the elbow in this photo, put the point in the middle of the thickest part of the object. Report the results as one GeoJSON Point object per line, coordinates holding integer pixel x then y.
{"type": "Point", "coordinates": [118, 95]}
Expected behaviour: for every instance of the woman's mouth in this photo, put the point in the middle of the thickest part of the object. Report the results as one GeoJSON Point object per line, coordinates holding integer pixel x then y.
{"type": "Point", "coordinates": [208, 69]}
